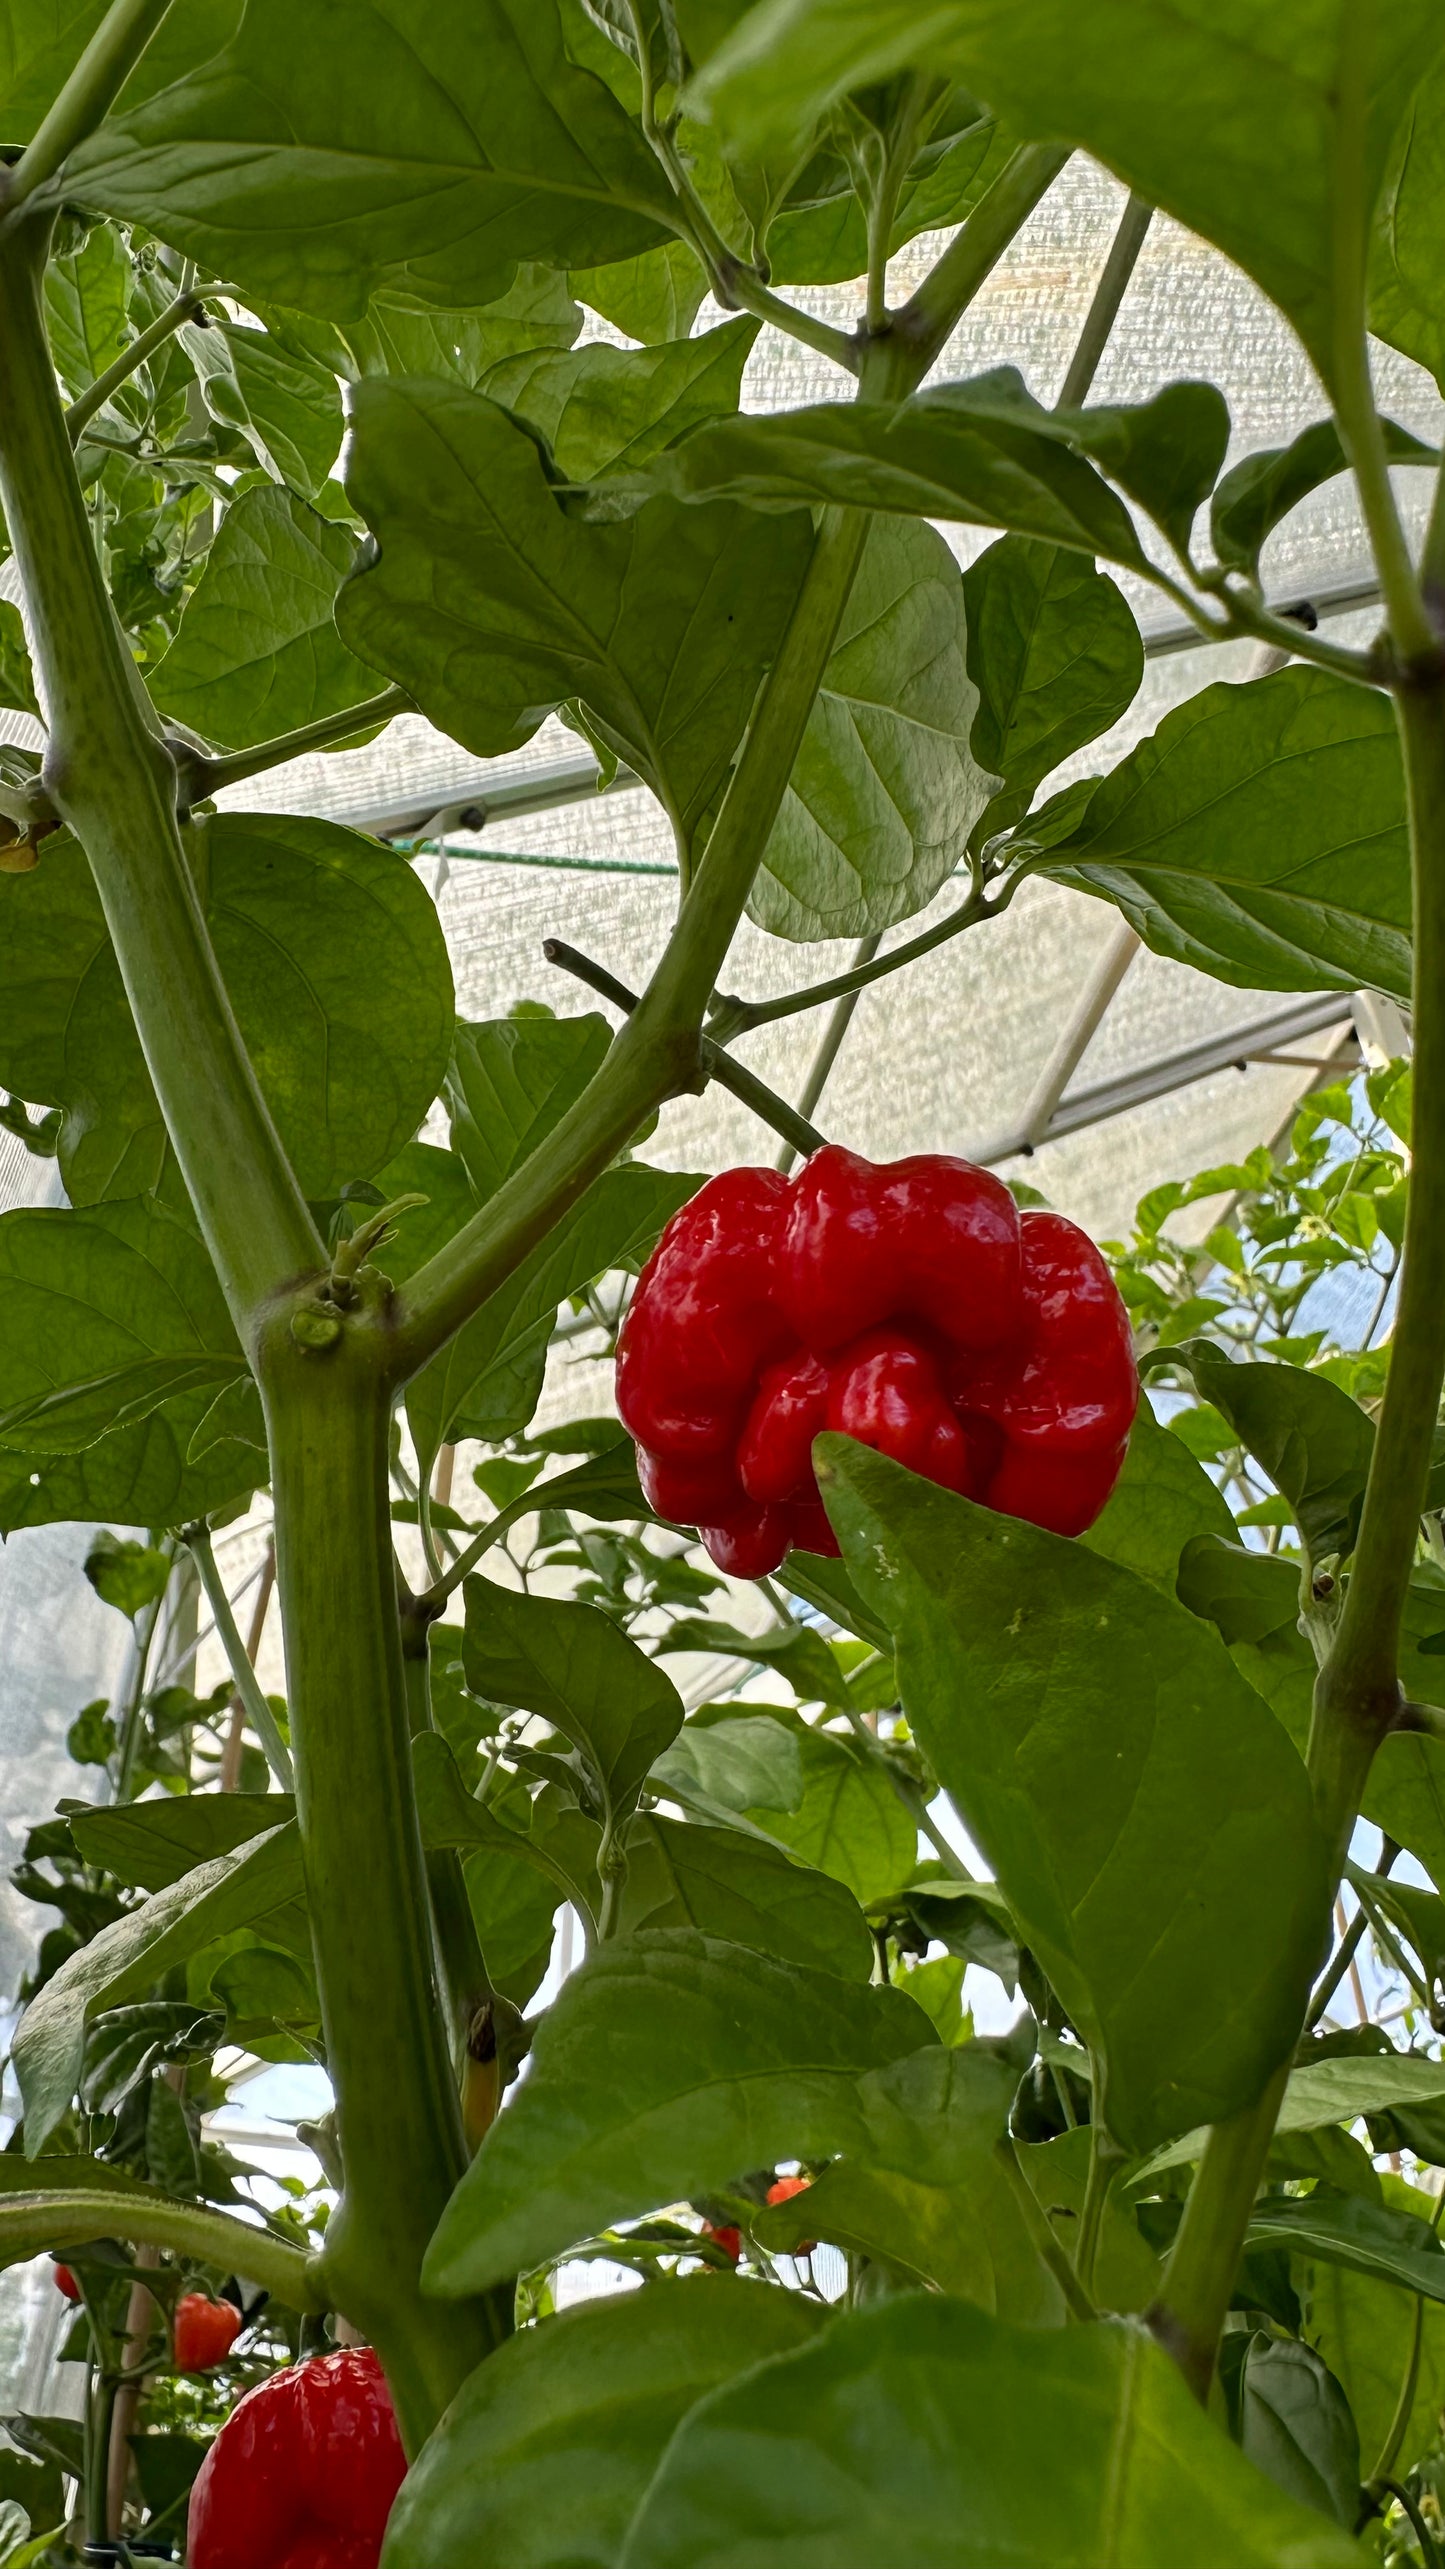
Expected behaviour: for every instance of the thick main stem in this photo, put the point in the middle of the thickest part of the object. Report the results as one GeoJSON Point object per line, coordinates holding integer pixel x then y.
{"type": "Point", "coordinates": [398, 2114]}
{"type": "Point", "coordinates": [112, 782]}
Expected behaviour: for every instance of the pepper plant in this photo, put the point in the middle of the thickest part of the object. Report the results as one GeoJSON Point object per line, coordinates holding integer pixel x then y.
{"type": "Point", "coordinates": [219, 222]}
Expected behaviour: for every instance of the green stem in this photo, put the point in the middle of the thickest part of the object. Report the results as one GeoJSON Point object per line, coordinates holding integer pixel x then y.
{"type": "Point", "coordinates": [1042, 2233]}
{"type": "Point", "coordinates": [928, 321]}
{"type": "Point", "coordinates": [112, 781]}
{"type": "Point", "coordinates": [1395, 2434]}
{"type": "Point", "coordinates": [31, 2223]}
{"type": "Point", "coordinates": [209, 775]}
{"type": "Point", "coordinates": [1104, 2157]}
{"type": "Point", "coordinates": [922, 91]}
{"type": "Point", "coordinates": [1346, 1950]}
{"type": "Point", "coordinates": [1199, 2278]}
{"type": "Point", "coordinates": [790, 1121]}
{"type": "Point", "coordinates": [459, 1952]}
{"type": "Point", "coordinates": [131, 1718]}
{"type": "Point", "coordinates": [248, 1685]}
{"type": "Point", "coordinates": [89, 93]}
{"type": "Point", "coordinates": [1103, 312]}
{"type": "Point", "coordinates": [184, 308]}
{"type": "Point", "coordinates": [398, 2113]}
{"type": "Point", "coordinates": [656, 1054]}
{"type": "Point", "coordinates": [1429, 2547]}
{"type": "Point", "coordinates": [734, 1017]}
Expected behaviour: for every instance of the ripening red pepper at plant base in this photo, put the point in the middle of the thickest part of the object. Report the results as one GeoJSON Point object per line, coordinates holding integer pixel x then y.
{"type": "Point", "coordinates": [303, 2473]}
{"type": "Point", "coordinates": [910, 1305]}
{"type": "Point", "coordinates": [205, 2331]}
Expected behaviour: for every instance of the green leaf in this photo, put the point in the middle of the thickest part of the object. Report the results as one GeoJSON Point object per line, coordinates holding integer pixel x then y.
{"type": "Point", "coordinates": [293, 405]}
{"type": "Point", "coordinates": [825, 1583]}
{"type": "Point", "coordinates": [547, 2450]}
{"type": "Point", "coordinates": [104, 1314]}
{"type": "Point", "coordinates": [333, 151]}
{"type": "Point", "coordinates": [510, 1081]}
{"type": "Point", "coordinates": [654, 297]}
{"type": "Point", "coordinates": [491, 606]}
{"type": "Point", "coordinates": [1407, 307]}
{"type": "Point", "coordinates": [1295, 2424]}
{"type": "Point", "coordinates": [129, 1576]}
{"type": "Point", "coordinates": [257, 652]}
{"type": "Point", "coordinates": [959, 2410]}
{"type": "Point", "coordinates": [1346, 2230]}
{"type": "Point", "coordinates": [400, 337]}
{"type": "Point", "coordinates": [487, 1381]}
{"type": "Point", "coordinates": [1261, 490]}
{"type": "Point", "coordinates": [668, 2065]}
{"type": "Point", "coordinates": [1365, 2331]}
{"type": "Point", "coordinates": [922, 2189]}
{"type": "Point", "coordinates": [1340, 2089]}
{"type": "Point", "coordinates": [885, 788]}
{"type": "Point", "coordinates": [17, 681]}
{"type": "Point", "coordinates": [1312, 98]}
{"type": "Point", "coordinates": [126, 1960]}
{"type": "Point", "coordinates": [1161, 1501]}
{"type": "Point", "coordinates": [984, 453]}
{"type": "Point", "coordinates": [796, 1651]}
{"type": "Point", "coordinates": [850, 1822]}
{"type": "Point", "coordinates": [1056, 657]}
{"type": "Point", "coordinates": [751, 1761]}
{"type": "Point", "coordinates": [1259, 834]}
{"type": "Point", "coordinates": [606, 410]}
{"type": "Point", "coordinates": [151, 1844]}
{"type": "Point", "coordinates": [136, 1476]}
{"type": "Point", "coordinates": [575, 1668]}
{"type": "Point", "coordinates": [1126, 2270]}
{"type": "Point", "coordinates": [1312, 1440]}
{"type": "Point", "coordinates": [334, 961]}
{"type": "Point", "coordinates": [735, 1888]}
{"type": "Point", "coordinates": [1173, 1890]}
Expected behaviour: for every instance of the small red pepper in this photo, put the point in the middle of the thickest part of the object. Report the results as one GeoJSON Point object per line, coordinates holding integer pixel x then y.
{"type": "Point", "coordinates": [65, 2283]}
{"type": "Point", "coordinates": [911, 1306]}
{"type": "Point", "coordinates": [303, 2473]}
{"type": "Point", "coordinates": [782, 2190]}
{"type": "Point", "coordinates": [726, 2236]}
{"type": "Point", "coordinates": [205, 2331]}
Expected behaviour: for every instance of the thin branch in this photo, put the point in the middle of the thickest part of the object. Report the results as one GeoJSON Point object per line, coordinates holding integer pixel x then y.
{"type": "Point", "coordinates": [203, 777]}
{"type": "Point", "coordinates": [712, 1060]}
{"type": "Point", "coordinates": [248, 1685]}
{"type": "Point", "coordinates": [236, 1735]}
{"type": "Point", "coordinates": [88, 95]}
{"type": "Point", "coordinates": [1041, 2231]}
{"type": "Point", "coordinates": [733, 1017]}
{"type": "Point", "coordinates": [830, 1044]}
{"type": "Point", "coordinates": [1103, 312]}
{"type": "Point", "coordinates": [188, 305]}
{"type": "Point", "coordinates": [30, 2223]}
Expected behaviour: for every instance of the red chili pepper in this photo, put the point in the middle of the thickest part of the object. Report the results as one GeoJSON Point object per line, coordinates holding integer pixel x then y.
{"type": "Point", "coordinates": [911, 1306]}
{"type": "Point", "coordinates": [782, 2190]}
{"type": "Point", "coordinates": [303, 2473]}
{"type": "Point", "coordinates": [205, 2331]}
{"type": "Point", "coordinates": [725, 2236]}
{"type": "Point", "coordinates": [65, 2282]}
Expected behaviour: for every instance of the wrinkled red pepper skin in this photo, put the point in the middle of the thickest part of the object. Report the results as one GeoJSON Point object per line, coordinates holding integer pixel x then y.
{"type": "Point", "coordinates": [303, 2473]}
{"type": "Point", "coordinates": [911, 1306]}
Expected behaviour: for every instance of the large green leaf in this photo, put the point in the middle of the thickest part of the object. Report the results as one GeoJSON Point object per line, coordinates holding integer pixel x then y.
{"type": "Point", "coordinates": [1143, 1811]}
{"type": "Point", "coordinates": [1319, 2094]}
{"type": "Point", "coordinates": [491, 606]}
{"type": "Point", "coordinates": [654, 297]}
{"type": "Point", "coordinates": [1312, 1440]}
{"type": "Point", "coordinates": [603, 410]}
{"type": "Point", "coordinates": [682, 1875]}
{"type": "Point", "coordinates": [486, 1382]}
{"type": "Point", "coordinates": [922, 2430]}
{"type": "Point", "coordinates": [1407, 302]}
{"type": "Point", "coordinates": [104, 1314]}
{"type": "Point", "coordinates": [751, 1761]}
{"type": "Point", "coordinates": [87, 302]}
{"type": "Point", "coordinates": [1161, 1501]}
{"type": "Point", "coordinates": [1188, 104]}
{"type": "Point", "coordinates": [152, 1843]}
{"type": "Point", "coordinates": [850, 1823]}
{"type": "Point", "coordinates": [334, 961]}
{"type": "Point", "coordinates": [340, 148]}
{"type": "Point", "coordinates": [126, 1959]}
{"type": "Point", "coordinates": [669, 2065]}
{"type": "Point", "coordinates": [1365, 2331]}
{"type": "Point", "coordinates": [1263, 488]}
{"type": "Point", "coordinates": [1295, 2423]}
{"type": "Point", "coordinates": [577, 1669]}
{"type": "Point", "coordinates": [510, 1081]}
{"type": "Point", "coordinates": [292, 406]}
{"type": "Point", "coordinates": [982, 452]}
{"type": "Point", "coordinates": [885, 788]}
{"type": "Point", "coordinates": [547, 2450]}
{"type": "Point", "coordinates": [1056, 656]}
{"type": "Point", "coordinates": [1345, 2230]}
{"type": "Point", "coordinates": [1259, 834]}
{"type": "Point", "coordinates": [257, 651]}
{"type": "Point", "coordinates": [400, 337]}
{"type": "Point", "coordinates": [140, 1476]}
